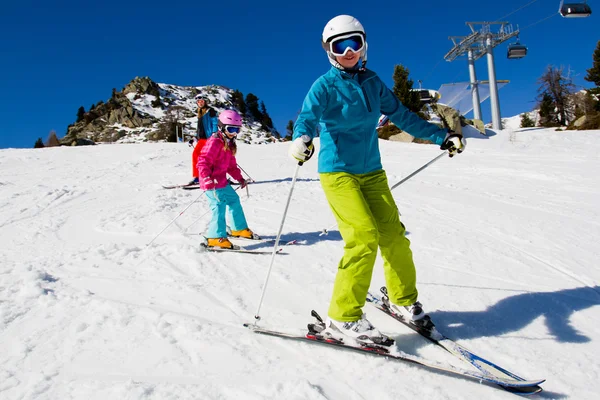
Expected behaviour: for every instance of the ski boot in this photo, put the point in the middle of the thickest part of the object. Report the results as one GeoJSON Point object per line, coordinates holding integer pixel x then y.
{"type": "Point", "coordinates": [361, 332]}
{"type": "Point", "coordinates": [412, 314]}
{"type": "Point", "coordinates": [222, 243]}
{"type": "Point", "coordinates": [245, 234]}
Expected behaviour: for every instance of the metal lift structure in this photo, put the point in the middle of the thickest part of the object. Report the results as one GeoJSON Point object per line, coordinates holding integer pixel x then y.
{"type": "Point", "coordinates": [480, 42]}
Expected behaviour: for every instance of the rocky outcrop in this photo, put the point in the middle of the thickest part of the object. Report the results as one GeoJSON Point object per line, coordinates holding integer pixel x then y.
{"type": "Point", "coordinates": [579, 122]}
{"type": "Point", "coordinates": [104, 122]}
{"type": "Point", "coordinates": [142, 86]}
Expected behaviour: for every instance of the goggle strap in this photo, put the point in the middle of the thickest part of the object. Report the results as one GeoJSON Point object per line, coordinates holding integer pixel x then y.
{"type": "Point", "coordinates": [347, 34]}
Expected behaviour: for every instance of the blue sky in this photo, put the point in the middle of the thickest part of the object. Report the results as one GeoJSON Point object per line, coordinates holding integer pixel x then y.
{"type": "Point", "coordinates": [60, 55]}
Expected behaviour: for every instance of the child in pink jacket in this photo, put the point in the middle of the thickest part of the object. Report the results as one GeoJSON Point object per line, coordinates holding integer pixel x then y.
{"type": "Point", "coordinates": [216, 160]}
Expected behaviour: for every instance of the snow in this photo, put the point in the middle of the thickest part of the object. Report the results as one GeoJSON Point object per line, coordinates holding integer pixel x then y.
{"type": "Point", "coordinates": [505, 239]}
{"type": "Point", "coordinates": [514, 123]}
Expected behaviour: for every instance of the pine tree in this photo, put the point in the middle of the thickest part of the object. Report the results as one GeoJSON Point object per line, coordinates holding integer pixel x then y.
{"type": "Point", "coordinates": [237, 98]}
{"type": "Point", "coordinates": [156, 103]}
{"type": "Point", "coordinates": [39, 144]}
{"type": "Point", "coordinates": [252, 104]}
{"type": "Point", "coordinates": [289, 129]}
{"type": "Point", "coordinates": [52, 139]}
{"type": "Point", "coordinates": [80, 114]}
{"type": "Point", "coordinates": [402, 89]}
{"type": "Point", "coordinates": [526, 121]}
{"type": "Point", "coordinates": [170, 124]}
{"type": "Point", "coordinates": [266, 120]}
{"type": "Point", "coordinates": [593, 74]}
{"type": "Point", "coordinates": [548, 116]}
{"type": "Point", "coordinates": [560, 88]}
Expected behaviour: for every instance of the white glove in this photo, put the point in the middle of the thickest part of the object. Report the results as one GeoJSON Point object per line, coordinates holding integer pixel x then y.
{"type": "Point", "coordinates": [302, 149]}
{"type": "Point", "coordinates": [454, 143]}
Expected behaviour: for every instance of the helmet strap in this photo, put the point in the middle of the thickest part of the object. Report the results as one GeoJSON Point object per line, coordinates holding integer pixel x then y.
{"type": "Point", "coordinates": [361, 61]}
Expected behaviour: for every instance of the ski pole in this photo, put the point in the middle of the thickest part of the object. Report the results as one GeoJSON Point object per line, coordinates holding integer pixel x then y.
{"type": "Point", "coordinates": [419, 170]}
{"type": "Point", "coordinates": [174, 219]}
{"type": "Point", "coordinates": [326, 231]}
{"type": "Point", "coordinates": [262, 296]}
{"type": "Point", "coordinates": [198, 219]}
{"type": "Point", "coordinates": [249, 178]}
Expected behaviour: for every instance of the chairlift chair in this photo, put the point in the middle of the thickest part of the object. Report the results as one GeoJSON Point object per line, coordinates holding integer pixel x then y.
{"type": "Point", "coordinates": [574, 9]}
{"type": "Point", "coordinates": [427, 96]}
{"type": "Point", "coordinates": [516, 51]}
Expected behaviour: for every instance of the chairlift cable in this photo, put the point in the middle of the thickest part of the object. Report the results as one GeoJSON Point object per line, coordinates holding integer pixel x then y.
{"type": "Point", "coordinates": [518, 9]}
{"type": "Point", "coordinates": [433, 69]}
{"type": "Point", "coordinates": [541, 20]}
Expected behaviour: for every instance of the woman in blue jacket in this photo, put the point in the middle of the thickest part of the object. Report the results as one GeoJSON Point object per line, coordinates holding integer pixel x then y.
{"type": "Point", "coordinates": [346, 103]}
{"type": "Point", "coordinates": [207, 125]}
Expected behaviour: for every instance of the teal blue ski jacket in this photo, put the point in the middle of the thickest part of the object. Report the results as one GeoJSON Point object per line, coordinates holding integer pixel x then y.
{"type": "Point", "coordinates": [347, 106]}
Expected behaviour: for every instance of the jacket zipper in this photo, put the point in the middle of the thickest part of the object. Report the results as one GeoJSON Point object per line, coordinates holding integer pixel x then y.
{"type": "Point", "coordinates": [366, 98]}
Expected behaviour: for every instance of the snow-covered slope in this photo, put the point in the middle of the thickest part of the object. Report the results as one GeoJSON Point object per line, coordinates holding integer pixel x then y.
{"type": "Point", "coordinates": [505, 238]}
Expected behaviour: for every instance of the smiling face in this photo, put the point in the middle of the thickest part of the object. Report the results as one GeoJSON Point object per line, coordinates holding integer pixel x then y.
{"type": "Point", "coordinates": [349, 60]}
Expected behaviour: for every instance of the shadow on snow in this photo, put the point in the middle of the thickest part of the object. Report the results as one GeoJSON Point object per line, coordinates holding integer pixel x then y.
{"type": "Point", "coordinates": [514, 313]}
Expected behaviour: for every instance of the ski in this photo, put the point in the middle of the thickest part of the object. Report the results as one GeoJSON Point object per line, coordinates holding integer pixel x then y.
{"type": "Point", "coordinates": [457, 350]}
{"type": "Point", "coordinates": [238, 249]}
{"type": "Point", "coordinates": [512, 385]}
{"type": "Point", "coordinates": [193, 186]}
{"type": "Point", "coordinates": [184, 186]}
{"type": "Point", "coordinates": [270, 240]}
{"type": "Point", "coordinates": [258, 239]}
{"type": "Point", "coordinates": [281, 242]}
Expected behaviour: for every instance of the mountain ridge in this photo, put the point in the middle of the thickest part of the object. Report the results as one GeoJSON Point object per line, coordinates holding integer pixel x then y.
{"type": "Point", "coordinates": [148, 111]}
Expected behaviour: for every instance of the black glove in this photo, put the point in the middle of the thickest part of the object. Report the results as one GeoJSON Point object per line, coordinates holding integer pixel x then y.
{"type": "Point", "coordinates": [454, 143]}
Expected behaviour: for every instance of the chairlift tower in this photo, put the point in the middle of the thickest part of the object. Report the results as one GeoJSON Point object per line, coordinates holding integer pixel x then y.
{"type": "Point", "coordinates": [477, 44]}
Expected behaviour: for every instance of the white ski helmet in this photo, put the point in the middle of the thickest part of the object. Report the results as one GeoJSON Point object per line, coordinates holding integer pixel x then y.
{"type": "Point", "coordinates": [343, 25]}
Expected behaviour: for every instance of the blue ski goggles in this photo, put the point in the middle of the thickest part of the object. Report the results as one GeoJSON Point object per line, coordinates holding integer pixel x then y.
{"type": "Point", "coordinates": [232, 129]}
{"type": "Point", "coordinates": [340, 45]}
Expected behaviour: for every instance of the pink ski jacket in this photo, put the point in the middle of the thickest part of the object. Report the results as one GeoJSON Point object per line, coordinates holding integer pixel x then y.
{"type": "Point", "coordinates": [215, 162]}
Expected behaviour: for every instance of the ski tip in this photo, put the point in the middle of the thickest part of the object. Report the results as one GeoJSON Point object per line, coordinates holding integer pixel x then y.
{"type": "Point", "coordinates": [523, 391]}
{"type": "Point", "coordinates": [523, 385]}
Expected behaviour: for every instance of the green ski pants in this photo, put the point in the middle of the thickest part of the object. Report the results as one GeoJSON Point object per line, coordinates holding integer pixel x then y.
{"type": "Point", "coordinates": [367, 218]}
